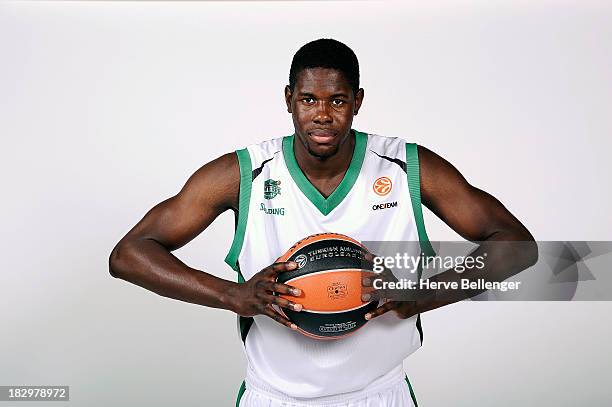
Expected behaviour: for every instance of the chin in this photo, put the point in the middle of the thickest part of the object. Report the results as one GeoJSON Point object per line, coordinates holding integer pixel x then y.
{"type": "Point", "coordinates": [322, 152]}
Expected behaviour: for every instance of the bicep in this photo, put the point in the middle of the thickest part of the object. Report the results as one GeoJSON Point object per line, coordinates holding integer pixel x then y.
{"type": "Point", "coordinates": [210, 191]}
{"type": "Point", "coordinates": [472, 213]}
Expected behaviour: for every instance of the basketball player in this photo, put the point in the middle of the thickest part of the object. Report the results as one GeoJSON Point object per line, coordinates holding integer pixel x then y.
{"type": "Point", "coordinates": [327, 177]}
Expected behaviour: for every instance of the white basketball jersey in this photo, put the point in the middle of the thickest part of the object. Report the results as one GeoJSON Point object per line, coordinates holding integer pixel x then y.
{"type": "Point", "coordinates": [279, 206]}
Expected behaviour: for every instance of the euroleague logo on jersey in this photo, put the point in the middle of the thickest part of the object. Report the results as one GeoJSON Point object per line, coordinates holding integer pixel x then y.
{"type": "Point", "coordinates": [382, 186]}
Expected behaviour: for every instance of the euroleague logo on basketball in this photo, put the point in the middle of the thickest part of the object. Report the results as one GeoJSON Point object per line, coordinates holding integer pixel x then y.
{"type": "Point", "coordinates": [382, 186]}
{"type": "Point", "coordinates": [301, 260]}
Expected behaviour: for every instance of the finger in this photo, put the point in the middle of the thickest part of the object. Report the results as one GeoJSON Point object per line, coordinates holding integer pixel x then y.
{"type": "Point", "coordinates": [283, 302]}
{"type": "Point", "coordinates": [269, 311]}
{"type": "Point", "coordinates": [277, 268]}
{"type": "Point", "coordinates": [387, 275]}
{"type": "Point", "coordinates": [367, 279]}
{"type": "Point", "coordinates": [367, 290]}
{"type": "Point", "coordinates": [373, 285]}
{"type": "Point", "coordinates": [377, 266]}
{"type": "Point", "coordinates": [386, 307]}
{"type": "Point", "coordinates": [281, 288]}
{"type": "Point", "coordinates": [376, 283]}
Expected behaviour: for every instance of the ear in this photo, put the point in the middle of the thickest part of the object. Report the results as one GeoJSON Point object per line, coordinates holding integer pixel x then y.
{"type": "Point", "coordinates": [358, 100]}
{"type": "Point", "coordinates": [288, 95]}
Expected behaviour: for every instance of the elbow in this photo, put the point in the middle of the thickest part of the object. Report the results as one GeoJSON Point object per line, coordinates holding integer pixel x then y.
{"type": "Point", "coordinates": [526, 254]}
{"type": "Point", "coordinates": [115, 261]}
{"type": "Point", "coordinates": [529, 252]}
{"type": "Point", "coordinates": [532, 253]}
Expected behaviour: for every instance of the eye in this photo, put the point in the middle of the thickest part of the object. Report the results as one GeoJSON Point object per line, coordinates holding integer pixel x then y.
{"type": "Point", "coordinates": [308, 101]}
{"type": "Point", "coordinates": [337, 102]}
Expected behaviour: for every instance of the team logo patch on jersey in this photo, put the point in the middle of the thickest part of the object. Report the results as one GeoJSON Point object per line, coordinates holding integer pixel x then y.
{"type": "Point", "coordinates": [271, 188]}
{"type": "Point", "coordinates": [382, 186]}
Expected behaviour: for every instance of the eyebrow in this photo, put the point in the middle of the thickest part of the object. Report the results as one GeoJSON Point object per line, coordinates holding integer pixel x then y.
{"type": "Point", "coordinates": [335, 95]}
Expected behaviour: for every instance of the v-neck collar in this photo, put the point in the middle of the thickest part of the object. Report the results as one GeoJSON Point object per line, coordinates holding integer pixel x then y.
{"type": "Point", "coordinates": [326, 205]}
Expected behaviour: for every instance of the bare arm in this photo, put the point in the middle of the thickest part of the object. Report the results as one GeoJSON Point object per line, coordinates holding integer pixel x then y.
{"type": "Point", "coordinates": [144, 257]}
{"type": "Point", "coordinates": [476, 216]}
{"type": "Point", "coordinates": [469, 211]}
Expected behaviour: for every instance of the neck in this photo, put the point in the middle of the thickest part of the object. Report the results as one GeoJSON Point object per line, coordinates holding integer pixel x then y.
{"type": "Point", "coordinates": [316, 167]}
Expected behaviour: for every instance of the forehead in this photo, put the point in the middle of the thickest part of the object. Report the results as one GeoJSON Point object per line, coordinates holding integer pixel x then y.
{"type": "Point", "coordinates": [321, 81]}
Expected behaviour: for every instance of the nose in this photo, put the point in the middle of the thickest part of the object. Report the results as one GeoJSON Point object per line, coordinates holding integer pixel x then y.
{"type": "Point", "coordinates": [322, 115]}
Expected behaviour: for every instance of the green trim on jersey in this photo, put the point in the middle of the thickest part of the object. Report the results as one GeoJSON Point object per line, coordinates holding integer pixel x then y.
{"type": "Point", "coordinates": [414, 185]}
{"type": "Point", "coordinates": [241, 392]}
{"type": "Point", "coordinates": [414, 400]}
{"type": "Point", "coordinates": [326, 205]}
{"type": "Point", "coordinates": [244, 162]}
{"type": "Point", "coordinates": [244, 323]}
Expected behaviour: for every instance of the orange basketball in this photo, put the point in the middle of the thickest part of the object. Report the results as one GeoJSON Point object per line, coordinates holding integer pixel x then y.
{"type": "Point", "coordinates": [329, 273]}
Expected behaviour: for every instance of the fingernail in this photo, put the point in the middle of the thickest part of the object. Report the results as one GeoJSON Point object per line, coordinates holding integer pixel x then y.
{"type": "Point", "coordinates": [292, 264]}
{"type": "Point", "coordinates": [296, 291]}
{"type": "Point", "coordinates": [294, 327]}
{"type": "Point", "coordinates": [366, 281]}
{"type": "Point", "coordinates": [368, 316]}
{"type": "Point", "coordinates": [366, 297]}
{"type": "Point", "coordinates": [297, 307]}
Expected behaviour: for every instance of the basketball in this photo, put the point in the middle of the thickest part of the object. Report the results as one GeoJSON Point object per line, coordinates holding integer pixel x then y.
{"type": "Point", "coordinates": [329, 273]}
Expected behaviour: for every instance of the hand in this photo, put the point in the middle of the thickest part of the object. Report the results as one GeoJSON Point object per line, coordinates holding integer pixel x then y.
{"type": "Point", "coordinates": [256, 295]}
{"type": "Point", "coordinates": [403, 309]}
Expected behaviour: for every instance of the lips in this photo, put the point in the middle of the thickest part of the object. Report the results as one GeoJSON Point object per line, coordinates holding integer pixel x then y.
{"type": "Point", "coordinates": [322, 136]}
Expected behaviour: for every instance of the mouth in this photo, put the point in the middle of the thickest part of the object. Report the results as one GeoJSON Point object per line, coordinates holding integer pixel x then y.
{"type": "Point", "coordinates": [321, 136]}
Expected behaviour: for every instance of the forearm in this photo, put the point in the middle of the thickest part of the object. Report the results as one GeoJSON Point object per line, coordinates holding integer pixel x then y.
{"type": "Point", "coordinates": [148, 264]}
{"type": "Point", "coordinates": [506, 254]}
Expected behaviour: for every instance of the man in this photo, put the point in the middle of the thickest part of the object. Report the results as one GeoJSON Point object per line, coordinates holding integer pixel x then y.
{"type": "Point", "coordinates": [327, 177]}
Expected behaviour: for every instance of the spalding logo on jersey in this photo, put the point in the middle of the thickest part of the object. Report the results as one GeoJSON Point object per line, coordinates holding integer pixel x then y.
{"type": "Point", "coordinates": [382, 186]}
{"type": "Point", "coordinates": [271, 188]}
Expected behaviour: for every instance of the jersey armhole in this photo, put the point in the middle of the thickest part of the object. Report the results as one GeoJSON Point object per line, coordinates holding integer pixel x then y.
{"type": "Point", "coordinates": [244, 198]}
{"type": "Point", "coordinates": [414, 186]}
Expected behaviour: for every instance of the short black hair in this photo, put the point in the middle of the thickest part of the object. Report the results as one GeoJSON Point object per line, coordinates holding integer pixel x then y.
{"type": "Point", "coordinates": [326, 53]}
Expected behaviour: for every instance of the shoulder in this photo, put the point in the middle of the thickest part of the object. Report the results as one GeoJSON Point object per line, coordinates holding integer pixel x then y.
{"type": "Point", "coordinates": [432, 164]}
{"type": "Point", "coordinates": [219, 179]}
{"type": "Point", "coordinates": [217, 182]}
{"type": "Point", "coordinates": [438, 177]}
{"type": "Point", "coordinates": [262, 151]}
{"type": "Point", "coordinates": [390, 148]}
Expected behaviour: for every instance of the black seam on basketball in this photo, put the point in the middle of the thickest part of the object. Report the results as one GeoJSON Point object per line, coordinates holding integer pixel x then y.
{"type": "Point", "coordinates": [314, 273]}
{"type": "Point", "coordinates": [325, 239]}
{"type": "Point", "coordinates": [334, 312]}
{"type": "Point", "coordinates": [333, 262]}
{"type": "Point", "coordinates": [331, 325]}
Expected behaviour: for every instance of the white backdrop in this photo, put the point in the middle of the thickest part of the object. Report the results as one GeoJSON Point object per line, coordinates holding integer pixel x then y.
{"type": "Point", "coordinates": [106, 108]}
